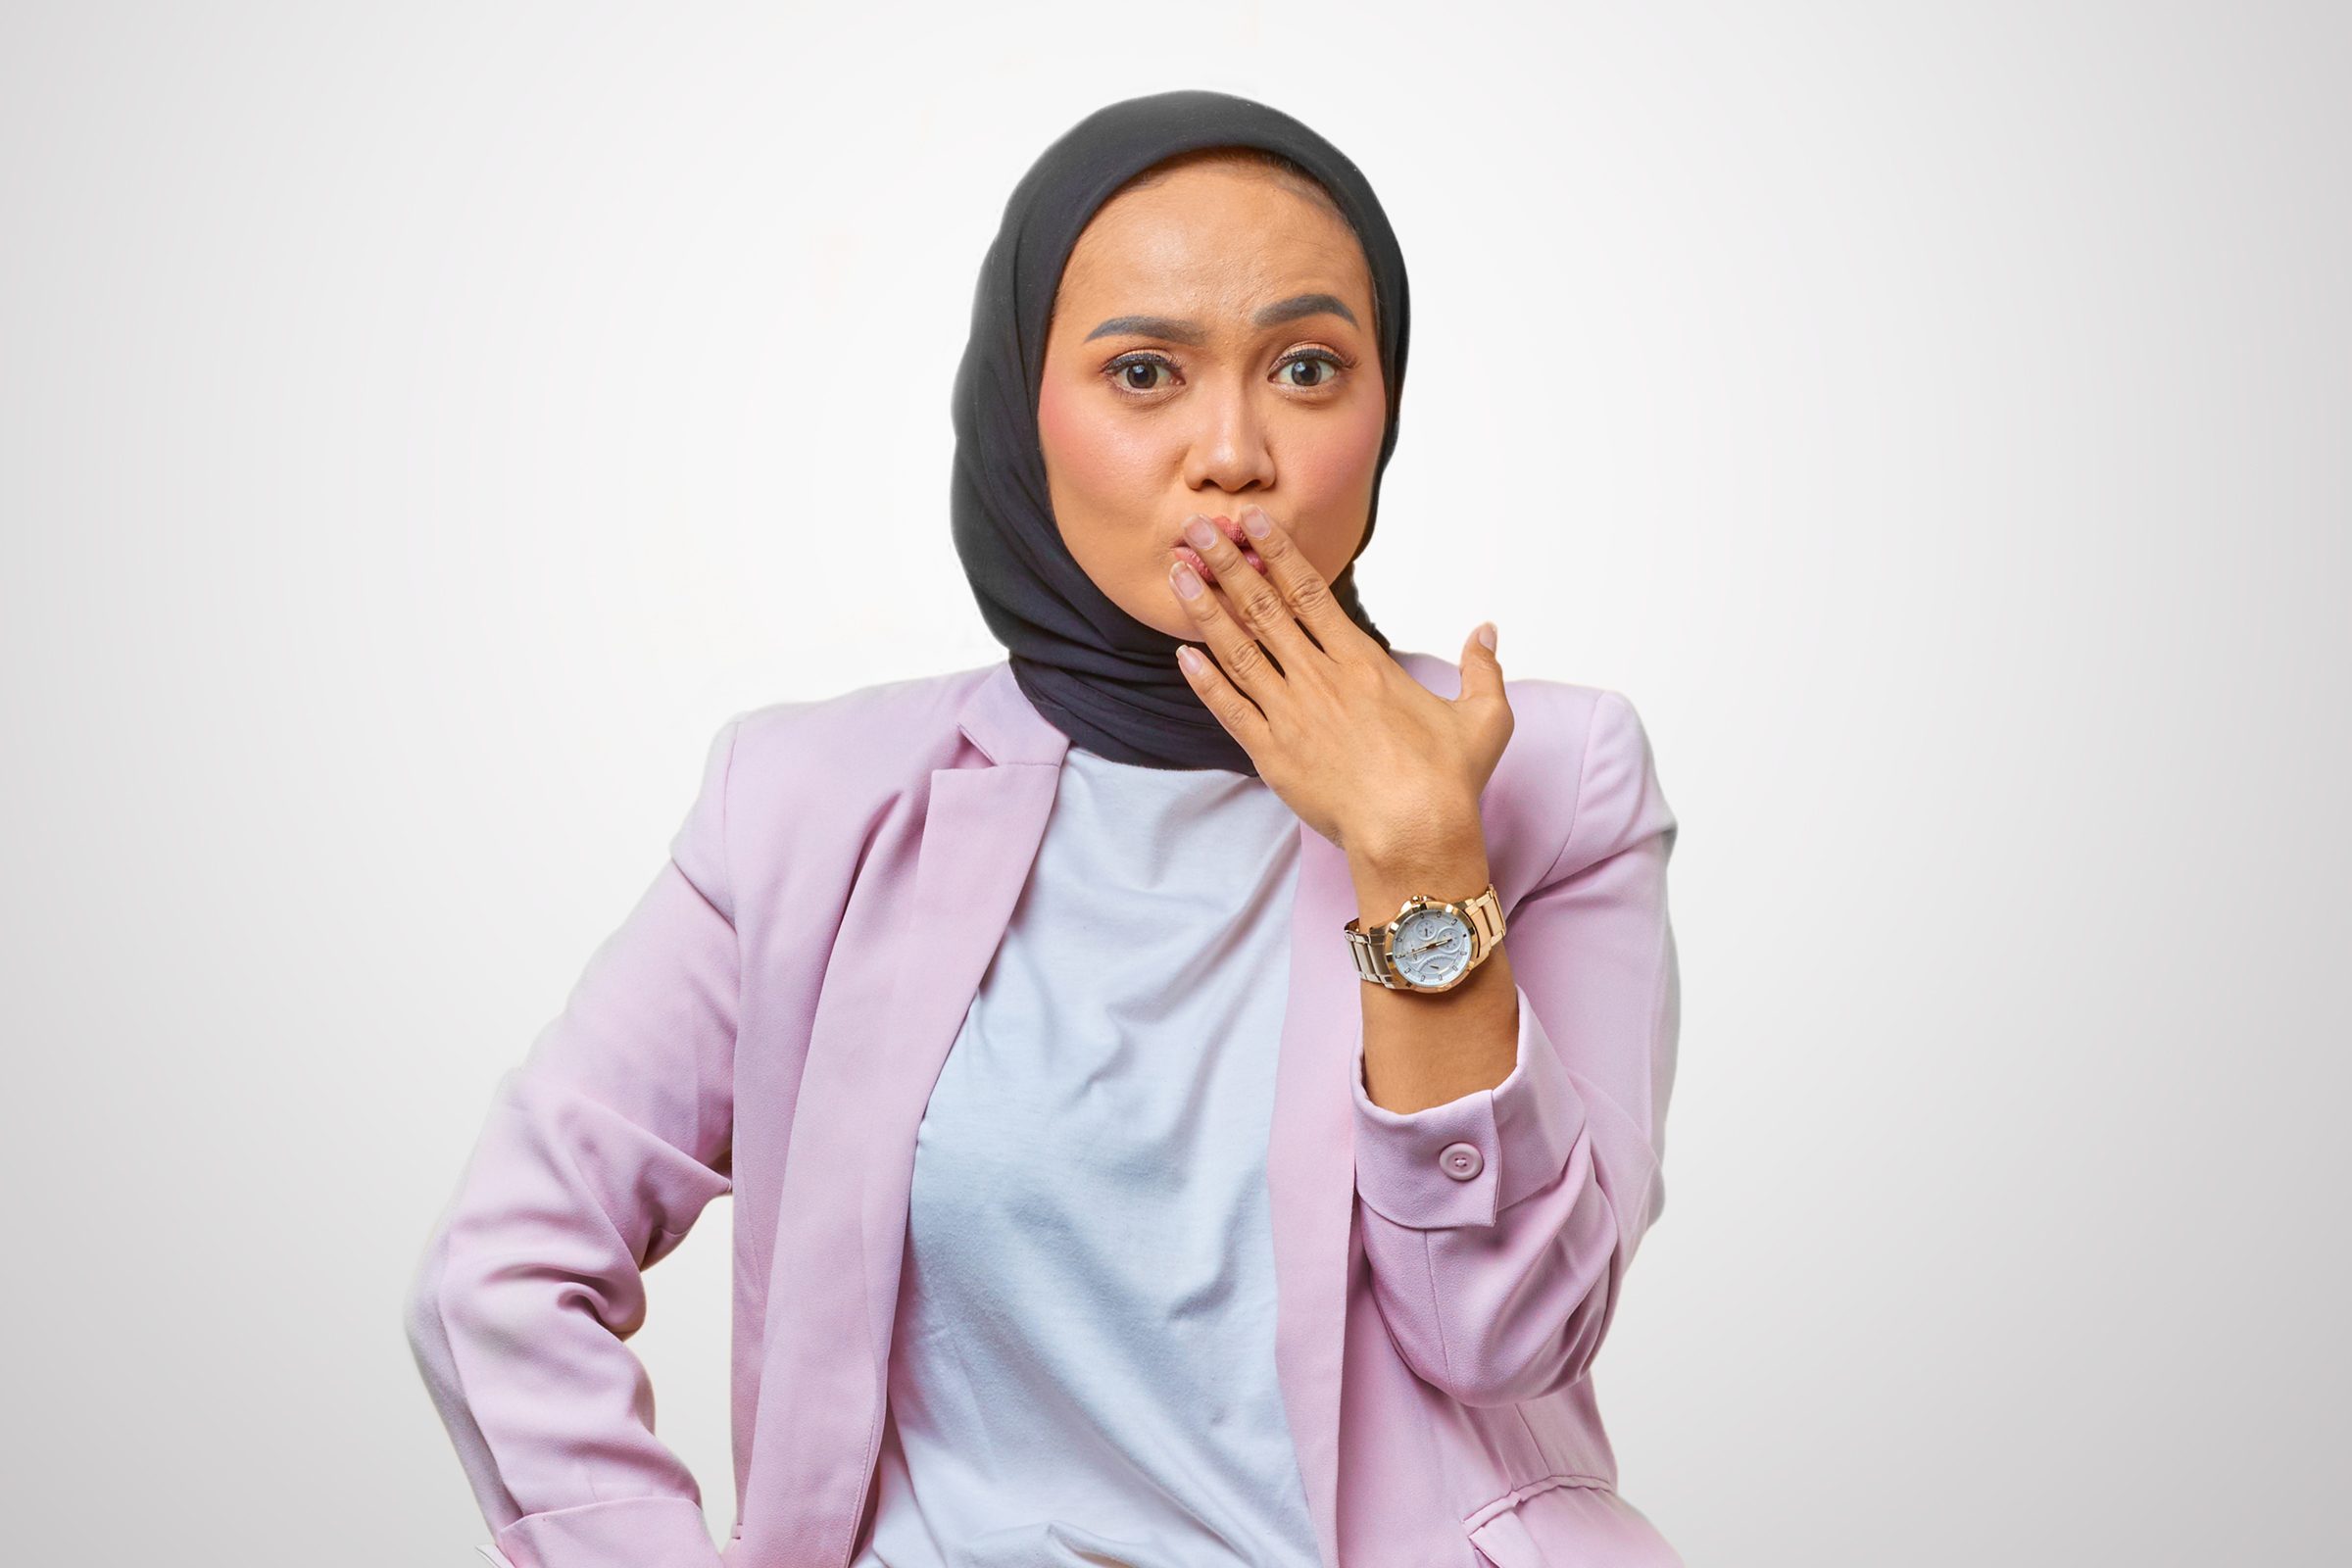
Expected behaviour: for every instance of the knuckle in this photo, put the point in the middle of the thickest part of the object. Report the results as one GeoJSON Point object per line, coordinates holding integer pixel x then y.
{"type": "Point", "coordinates": [1312, 597]}
{"type": "Point", "coordinates": [1246, 661]}
{"type": "Point", "coordinates": [1260, 604]}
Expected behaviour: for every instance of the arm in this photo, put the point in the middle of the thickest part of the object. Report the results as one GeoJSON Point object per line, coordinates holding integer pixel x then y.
{"type": "Point", "coordinates": [1500, 1288]}
{"type": "Point", "coordinates": [599, 1151]}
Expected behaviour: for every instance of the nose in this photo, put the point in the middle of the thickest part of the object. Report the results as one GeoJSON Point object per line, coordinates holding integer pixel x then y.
{"type": "Point", "coordinates": [1228, 448]}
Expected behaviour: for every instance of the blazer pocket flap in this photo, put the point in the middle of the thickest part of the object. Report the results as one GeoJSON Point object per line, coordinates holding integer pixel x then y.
{"type": "Point", "coordinates": [1503, 1541]}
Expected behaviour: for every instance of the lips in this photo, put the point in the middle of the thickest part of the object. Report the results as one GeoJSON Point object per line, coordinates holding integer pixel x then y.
{"type": "Point", "coordinates": [1231, 530]}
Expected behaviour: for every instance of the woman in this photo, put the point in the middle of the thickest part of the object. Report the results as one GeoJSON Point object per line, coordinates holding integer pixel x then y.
{"type": "Point", "coordinates": [1097, 1099]}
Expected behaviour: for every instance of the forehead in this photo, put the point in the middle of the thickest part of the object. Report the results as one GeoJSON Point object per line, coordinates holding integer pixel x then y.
{"type": "Point", "coordinates": [1214, 237]}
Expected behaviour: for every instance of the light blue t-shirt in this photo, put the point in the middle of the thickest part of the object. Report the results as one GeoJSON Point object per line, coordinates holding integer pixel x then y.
{"type": "Point", "coordinates": [1081, 1374]}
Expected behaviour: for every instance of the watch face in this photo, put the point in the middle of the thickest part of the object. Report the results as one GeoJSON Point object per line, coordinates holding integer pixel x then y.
{"type": "Point", "coordinates": [1431, 947]}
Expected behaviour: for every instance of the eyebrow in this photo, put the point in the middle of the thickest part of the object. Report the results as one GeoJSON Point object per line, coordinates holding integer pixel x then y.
{"type": "Point", "coordinates": [1189, 332]}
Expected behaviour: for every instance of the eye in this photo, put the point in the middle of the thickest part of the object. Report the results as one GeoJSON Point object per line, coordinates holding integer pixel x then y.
{"type": "Point", "coordinates": [1131, 374]}
{"type": "Point", "coordinates": [1327, 365]}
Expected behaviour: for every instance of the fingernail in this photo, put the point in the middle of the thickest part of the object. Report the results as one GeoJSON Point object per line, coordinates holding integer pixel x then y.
{"type": "Point", "coordinates": [1190, 657]}
{"type": "Point", "coordinates": [1486, 634]}
{"type": "Point", "coordinates": [1199, 530]}
{"type": "Point", "coordinates": [1255, 523]}
{"type": "Point", "coordinates": [1188, 581]}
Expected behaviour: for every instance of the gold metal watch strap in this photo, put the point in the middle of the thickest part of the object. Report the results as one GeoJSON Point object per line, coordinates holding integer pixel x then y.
{"type": "Point", "coordinates": [1371, 958]}
{"type": "Point", "coordinates": [1484, 914]}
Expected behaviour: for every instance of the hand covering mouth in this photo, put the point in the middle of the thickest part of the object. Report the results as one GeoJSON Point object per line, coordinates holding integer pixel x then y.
{"type": "Point", "coordinates": [1231, 530]}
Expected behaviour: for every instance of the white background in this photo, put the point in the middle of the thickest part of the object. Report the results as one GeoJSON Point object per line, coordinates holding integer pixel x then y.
{"type": "Point", "coordinates": [422, 426]}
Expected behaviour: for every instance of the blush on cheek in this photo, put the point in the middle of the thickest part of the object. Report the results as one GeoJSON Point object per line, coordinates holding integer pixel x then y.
{"type": "Point", "coordinates": [1340, 459]}
{"type": "Point", "coordinates": [1097, 462]}
{"type": "Point", "coordinates": [1053, 419]}
{"type": "Point", "coordinates": [1333, 479]}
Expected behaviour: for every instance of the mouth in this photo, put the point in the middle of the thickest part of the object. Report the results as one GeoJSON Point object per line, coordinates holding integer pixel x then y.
{"type": "Point", "coordinates": [1231, 530]}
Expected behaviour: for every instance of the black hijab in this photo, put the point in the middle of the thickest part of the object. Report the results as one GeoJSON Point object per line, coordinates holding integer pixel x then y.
{"type": "Point", "coordinates": [1105, 679]}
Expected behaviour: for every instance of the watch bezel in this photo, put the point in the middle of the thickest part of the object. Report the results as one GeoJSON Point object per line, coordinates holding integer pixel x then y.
{"type": "Point", "coordinates": [1446, 909]}
{"type": "Point", "coordinates": [1376, 942]}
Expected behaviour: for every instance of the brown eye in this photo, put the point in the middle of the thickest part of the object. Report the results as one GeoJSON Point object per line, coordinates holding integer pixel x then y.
{"type": "Point", "coordinates": [1134, 372]}
{"type": "Point", "coordinates": [1323, 367]}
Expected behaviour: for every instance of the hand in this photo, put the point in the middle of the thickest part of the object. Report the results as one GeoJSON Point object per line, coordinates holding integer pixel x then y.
{"type": "Point", "coordinates": [1359, 750]}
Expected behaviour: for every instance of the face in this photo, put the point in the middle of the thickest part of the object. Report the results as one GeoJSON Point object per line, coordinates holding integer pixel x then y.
{"type": "Point", "coordinates": [1213, 346]}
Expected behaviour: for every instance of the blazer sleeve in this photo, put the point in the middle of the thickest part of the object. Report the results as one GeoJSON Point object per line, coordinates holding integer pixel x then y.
{"type": "Point", "coordinates": [601, 1148]}
{"type": "Point", "coordinates": [1497, 1276]}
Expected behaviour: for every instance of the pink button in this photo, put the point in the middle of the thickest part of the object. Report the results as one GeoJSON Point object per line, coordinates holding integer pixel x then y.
{"type": "Point", "coordinates": [1461, 1162]}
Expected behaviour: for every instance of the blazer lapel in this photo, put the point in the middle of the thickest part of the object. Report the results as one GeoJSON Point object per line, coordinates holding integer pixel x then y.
{"type": "Point", "coordinates": [979, 840]}
{"type": "Point", "coordinates": [980, 837]}
{"type": "Point", "coordinates": [1310, 1163]}
{"type": "Point", "coordinates": [841, 1223]}
{"type": "Point", "coordinates": [1310, 1171]}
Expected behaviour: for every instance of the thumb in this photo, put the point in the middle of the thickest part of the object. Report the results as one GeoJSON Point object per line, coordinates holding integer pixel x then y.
{"type": "Point", "coordinates": [1482, 670]}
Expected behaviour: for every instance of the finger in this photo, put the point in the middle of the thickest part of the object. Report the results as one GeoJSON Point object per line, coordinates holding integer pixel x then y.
{"type": "Point", "coordinates": [1244, 661]}
{"type": "Point", "coordinates": [1239, 717]}
{"type": "Point", "coordinates": [1252, 599]}
{"type": "Point", "coordinates": [1310, 599]}
{"type": "Point", "coordinates": [1482, 692]}
{"type": "Point", "coordinates": [1481, 669]}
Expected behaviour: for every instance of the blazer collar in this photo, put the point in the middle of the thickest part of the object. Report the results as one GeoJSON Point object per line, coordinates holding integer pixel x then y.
{"type": "Point", "coordinates": [997, 717]}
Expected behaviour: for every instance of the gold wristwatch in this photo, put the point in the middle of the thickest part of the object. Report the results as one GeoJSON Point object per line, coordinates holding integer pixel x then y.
{"type": "Point", "coordinates": [1432, 945]}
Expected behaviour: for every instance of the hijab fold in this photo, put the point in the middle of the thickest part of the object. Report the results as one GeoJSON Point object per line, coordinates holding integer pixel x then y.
{"type": "Point", "coordinates": [1105, 679]}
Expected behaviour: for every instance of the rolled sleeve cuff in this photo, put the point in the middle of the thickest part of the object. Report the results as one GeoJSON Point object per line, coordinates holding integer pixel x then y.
{"type": "Point", "coordinates": [1466, 1160]}
{"type": "Point", "coordinates": [618, 1533]}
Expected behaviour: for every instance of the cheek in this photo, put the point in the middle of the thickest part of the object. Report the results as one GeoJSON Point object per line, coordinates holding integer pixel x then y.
{"type": "Point", "coordinates": [1336, 466]}
{"type": "Point", "coordinates": [1091, 458]}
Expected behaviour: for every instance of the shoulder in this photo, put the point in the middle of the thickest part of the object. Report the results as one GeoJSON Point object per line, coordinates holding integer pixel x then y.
{"type": "Point", "coordinates": [885, 733]}
{"type": "Point", "coordinates": [1598, 724]}
{"type": "Point", "coordinates": [1559, 727]}
{"type": "Point", "coordinates": [1619, 801]}
{"type": "Point", "coordinates": [1578, 778]}
{"type": "Point", "coordinates": [773, 771]}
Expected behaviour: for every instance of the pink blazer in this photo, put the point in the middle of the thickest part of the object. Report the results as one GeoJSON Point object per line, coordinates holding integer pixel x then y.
{"type": "Point", "coordinates": [770, 1019]}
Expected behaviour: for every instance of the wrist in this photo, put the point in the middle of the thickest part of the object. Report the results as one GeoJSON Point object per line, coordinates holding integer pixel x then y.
{"type": "Point", "coordinates": [1450, 864]}
{"type": "Point", "coordinates": [1416, 836]}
